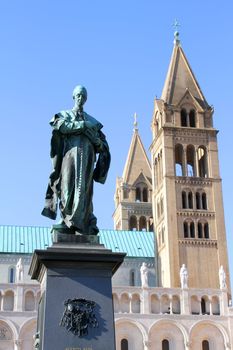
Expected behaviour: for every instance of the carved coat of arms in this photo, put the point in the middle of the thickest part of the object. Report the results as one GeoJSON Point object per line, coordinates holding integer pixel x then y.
{"type": "Point", "coordinates": [78, 316]}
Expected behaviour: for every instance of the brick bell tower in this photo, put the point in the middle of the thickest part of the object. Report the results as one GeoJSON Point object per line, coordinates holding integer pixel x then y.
{"type": "Point", "coordinates": [187, 188]}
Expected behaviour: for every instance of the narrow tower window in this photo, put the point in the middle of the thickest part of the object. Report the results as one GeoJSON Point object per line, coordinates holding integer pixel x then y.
{"type": "Point", "coordinates": [206, 231]}
{"type": "Point", "coordinates": [133, 223]}
{"type": "Point", "coordinates": [186, 234]}
{"type": "Point", "coordinates": [204, 201]}
{"type": "Point", "coordinates": [192, 230]}
{"type": "Point", "coordinates": [142, 223]}
{"type": "Point", "coordinates": [190, 200]}
{"type": "Point", "coordinates": [190, 160]}
{"type": "Point", "coordinates": [199, 228]}
{"type": "Point", "coordinates": [145, 194]}
{"type": "Point", "coordinates": [184, 200]}
{"type": "Point", "coordinates": [183, 116]}
{"type": "Point", "coordinates": [202, 162]}
{"type": "Point", "coordinates": [138, 194]}
{"type": "Point", "coordinates": [192, 122]}
{"type": "Point", "coordinates": [198, 200]}
{"type": "Point", "coordinates": [179, 160]}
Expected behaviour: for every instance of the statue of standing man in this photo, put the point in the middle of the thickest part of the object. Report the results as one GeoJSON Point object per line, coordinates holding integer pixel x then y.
{"type": "Point", "coordinates": [80, 154]}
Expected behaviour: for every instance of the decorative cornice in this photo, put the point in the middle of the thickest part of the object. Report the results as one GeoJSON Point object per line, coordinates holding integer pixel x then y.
{"type": "Point", "coordinates": [195, 213]}
{"type": "Point", "coordinates": [200, 242]}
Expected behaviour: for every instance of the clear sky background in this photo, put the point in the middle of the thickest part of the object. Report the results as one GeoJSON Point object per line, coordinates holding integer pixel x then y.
{"type": "Point", "coordinates": [120, 50]}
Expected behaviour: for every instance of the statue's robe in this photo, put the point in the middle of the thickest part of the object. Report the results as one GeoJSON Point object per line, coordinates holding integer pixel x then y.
{"type": "Point", "coordinates": [74, 150]}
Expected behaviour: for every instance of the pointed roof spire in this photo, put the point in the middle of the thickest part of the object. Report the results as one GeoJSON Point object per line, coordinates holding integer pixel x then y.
{"type": "Point", "coordinates": [137, 158]}
{"type": "Point", "coordinates": [181, 78]}
{"type": "Point", "coordinates": [135, 124]}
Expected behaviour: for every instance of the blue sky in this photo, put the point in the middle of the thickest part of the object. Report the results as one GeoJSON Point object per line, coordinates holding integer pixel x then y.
{"type": "Point", "coordinates": [120, 50]}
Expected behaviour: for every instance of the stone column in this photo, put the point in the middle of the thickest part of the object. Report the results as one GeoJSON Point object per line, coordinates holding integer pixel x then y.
{"type": "Point", "coordinates": [18, 344]}
{"type": "Point", "coordinates": [184, 163]}
{"type": "Point", "coordinates": [130, 303]}
{"type": "Point", "coordinates": [147, 345]}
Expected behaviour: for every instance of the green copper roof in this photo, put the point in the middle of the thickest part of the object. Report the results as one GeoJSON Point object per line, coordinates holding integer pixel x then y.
{"type": "Point", "coordinates": [25, 239]}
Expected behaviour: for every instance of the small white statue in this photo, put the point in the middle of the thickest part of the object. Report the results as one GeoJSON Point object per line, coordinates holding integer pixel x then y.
{"type": "Point", "coordinates": [184, 277]}
{"type": "Point", "coordinates": [19, 270]}
{"type": "Point", "coordinates": [222, 278]}
{"type": "Point", "coordinates": [144, 275]}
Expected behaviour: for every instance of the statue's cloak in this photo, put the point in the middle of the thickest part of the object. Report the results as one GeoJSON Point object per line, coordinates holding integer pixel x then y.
{"type": "Point", "coordinates": [73, 152]}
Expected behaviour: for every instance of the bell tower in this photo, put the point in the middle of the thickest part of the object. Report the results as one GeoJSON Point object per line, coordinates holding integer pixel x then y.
{"type": "Point", "coordinates": [187, 190]}
{"type": "Point", "coordinates": [133, 208]}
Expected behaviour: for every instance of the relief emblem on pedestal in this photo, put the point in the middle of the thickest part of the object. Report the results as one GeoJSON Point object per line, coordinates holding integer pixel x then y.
{"type": "Point", "coordinates": [78, 316]}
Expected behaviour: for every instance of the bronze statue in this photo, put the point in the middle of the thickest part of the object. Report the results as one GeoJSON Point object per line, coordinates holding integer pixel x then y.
{"type": "Point", "coordinates": [77, 141]}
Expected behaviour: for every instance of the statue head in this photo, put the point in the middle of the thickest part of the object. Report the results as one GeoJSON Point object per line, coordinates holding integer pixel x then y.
{"type": "Point", "coordinates": [80, 95]}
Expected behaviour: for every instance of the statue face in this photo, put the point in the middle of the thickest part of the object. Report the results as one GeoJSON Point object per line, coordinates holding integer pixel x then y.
{"type": "Point", "coordinates": [80, 96]}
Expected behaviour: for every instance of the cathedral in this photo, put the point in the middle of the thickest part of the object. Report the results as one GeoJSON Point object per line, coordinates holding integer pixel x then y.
{"type": "Point", "coordinates": [173, 290]}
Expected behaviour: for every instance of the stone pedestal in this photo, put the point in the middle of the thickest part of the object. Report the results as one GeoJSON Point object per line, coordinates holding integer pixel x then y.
{"type": "Point", "coordinates": [74, 271]}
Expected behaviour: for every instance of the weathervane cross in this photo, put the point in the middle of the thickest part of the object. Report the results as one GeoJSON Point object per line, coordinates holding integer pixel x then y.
{"type": "Point", "coordinates": [176, 25]}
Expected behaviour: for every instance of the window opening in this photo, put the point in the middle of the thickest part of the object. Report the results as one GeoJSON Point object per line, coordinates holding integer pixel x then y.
{"type": "Point", "coordinates": [198, 200]}
{"type": "Point", "coordinates": [204, 201]}
{"type": "Point", "coordinates": [124, 344]}
{"type": "Point", "coordinates": [192, 230]}
{"type": "Point", "coordinates": [199, 227]}
{"type": "Point", "coordinates": [186, 235]}
{"type": "Point", "coordinates": [192, 122]}
{"type": "Point", "coordinates": [165, 344]}
{"type": "Point", "coordinates": [190, 160]}
{"type": "Point", "coordinates": [132, 278]}
{"type": "Point", "coordinates": [133, 223]}
{"type": "Point", "coordinates": [179, 160]}
{"type": "Point", "coordinates": [184, 204]}
{"type": "Point", "coordinates": [202, 162]}
{"type": "Point", "coordinates": [183, 115]}
{"type": "Point", "coordinates": [203, 306]}
{"type": "Point", "coordinates": [145, 195]}
{"type": "Point", "coordinates": [206, 231]}
{"type": "Point", "coordinates": [190, 200]}
{"type": "Point", "coordinates": [205, 345]}
{"type": "Point", "coordinates": [138, 194]}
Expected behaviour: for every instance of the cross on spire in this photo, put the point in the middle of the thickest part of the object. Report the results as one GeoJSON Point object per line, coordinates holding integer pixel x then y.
{"type": "Point", "coordinates": [176, 26]}
{"type": "Point", "coordinates": [135, 124]}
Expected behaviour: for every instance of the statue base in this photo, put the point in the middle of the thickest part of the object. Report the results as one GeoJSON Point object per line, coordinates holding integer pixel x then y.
{"type": "Point", "coordinates": [76, 307]}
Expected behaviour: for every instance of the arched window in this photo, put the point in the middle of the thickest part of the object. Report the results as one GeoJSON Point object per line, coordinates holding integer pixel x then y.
{"type": "Point", "coordinates": [202, 162]}
{"type": "Point", "coordinates": [192, 122]}
{"type": "Point", "coordinates": [145, 195]}
{"type": "Point", "coordinates": [199, 229]}
{"type": "Point", "coordinates": [133, 223]}
{"type": "Point", "coordinates": [124, 344]}
{"type": "Point", "coordinates": [138, 194]}
{"type": "Point", "coordinates": [192, 230]}
{"type": "Point", "coordinates": [205, 345]}
{"type": "Point", "coordinates": [11, 274]}
{"type": "Point", "coordinates": [8, 301]}
{"type": "Point", "coordinates": [203, 306]}
{"type": "Point", "coordinates": [190, 200]}
{"type": "Point", "coordinates": [204, 201]}
{"type": "Point", "coordinates": [165, 344]}
{"type": "Point", "coordinates": [184, 200]}
{"type": "Point", "coordinates": [183, 117]}
{"type": "Point", "coordinates": [206, 230]}
{"type": "Point", "coordinates": [29, 301]}
{"type": "Point", "coordinates": [132, 278]}
{"type": "Point", "coordinates": [142, 223]}
{"type": "Point", "coordinates": [179, 160]}
{"type": "Point", "coordinates": [190, 160]}
{"type": "Point", "coordinates": [198, 200]}
{"type": "Point", "coordinates": [186, 234]}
